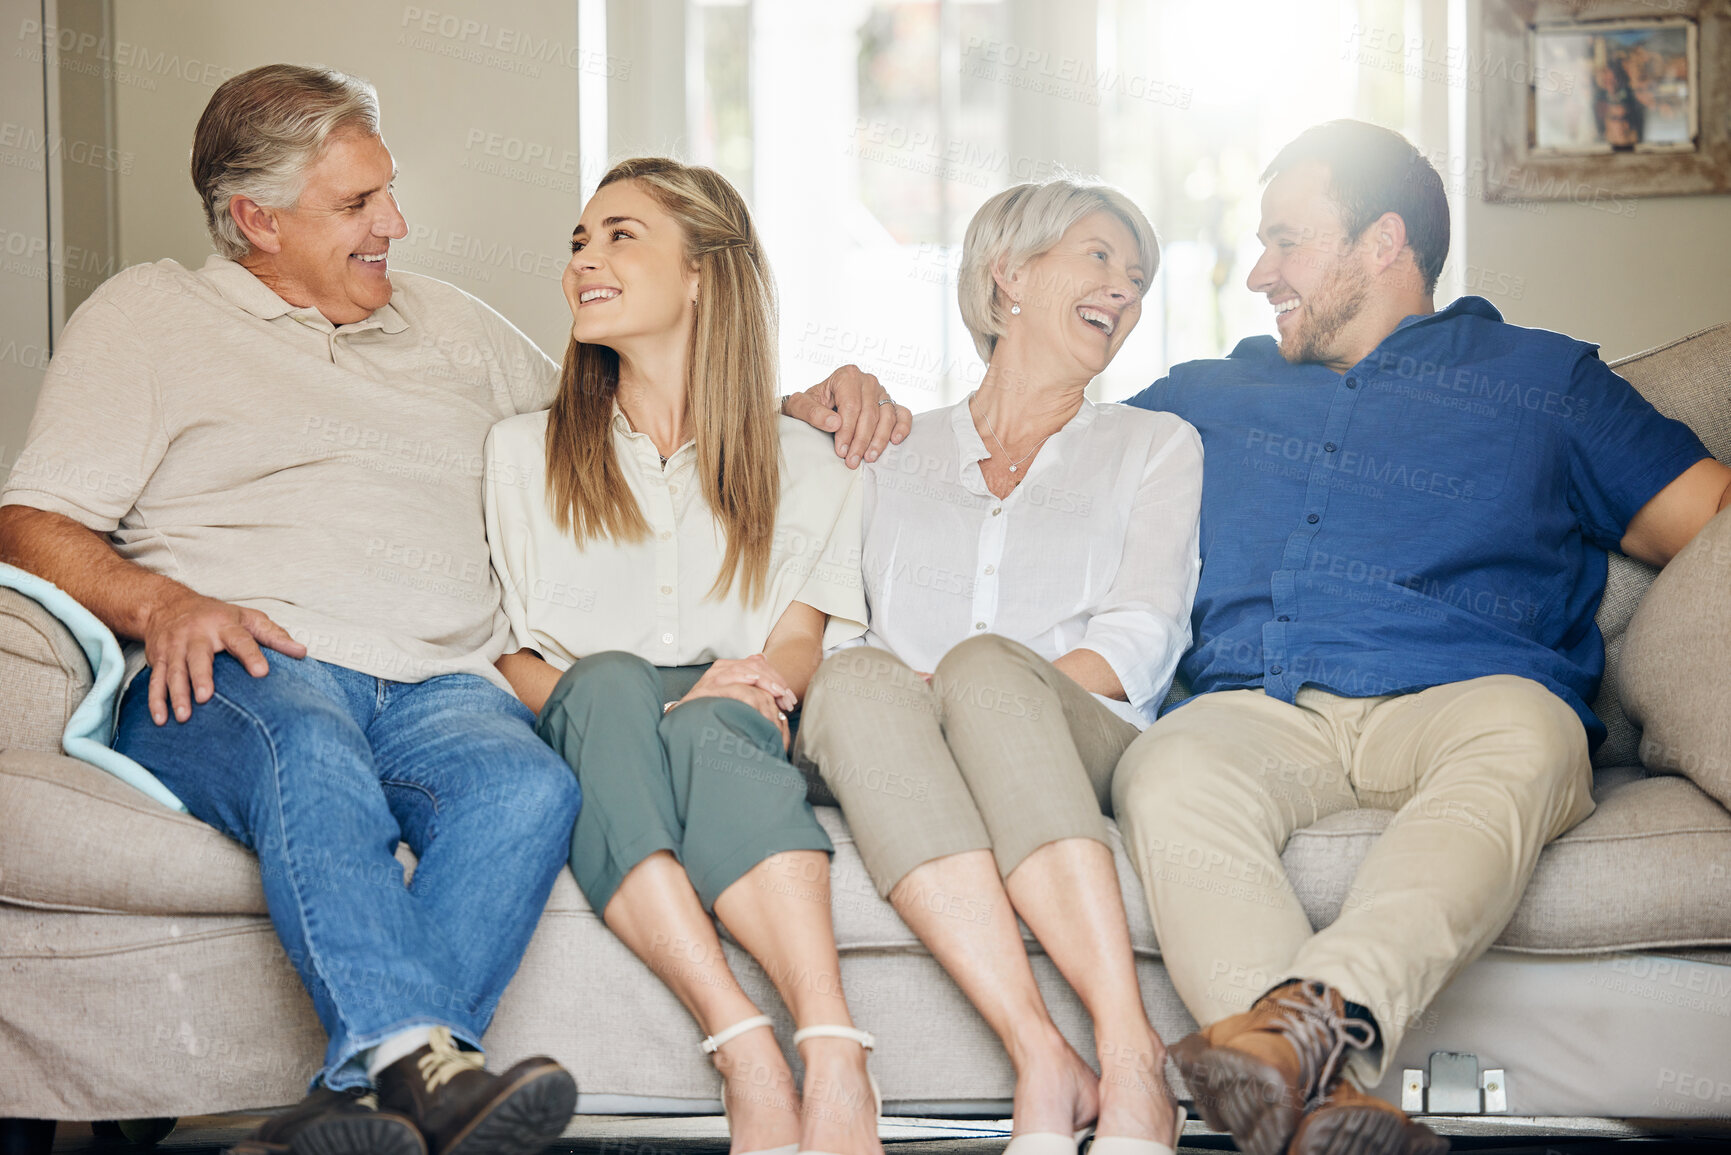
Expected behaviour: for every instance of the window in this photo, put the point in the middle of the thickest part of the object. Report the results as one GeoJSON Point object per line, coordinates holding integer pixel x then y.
{"type": "Point", "coordinates": [865, 135]}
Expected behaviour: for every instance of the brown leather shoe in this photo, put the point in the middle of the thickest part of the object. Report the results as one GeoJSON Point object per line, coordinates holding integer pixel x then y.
{"type": "Point", "coordinates": [1256, 1074]}
{"type": "Point", "coordinates": [331, 1122]}
{"type": "Point", "coordinates": [1350, 1122]}
{"type": "Point", "coordinates": [464, 1110]}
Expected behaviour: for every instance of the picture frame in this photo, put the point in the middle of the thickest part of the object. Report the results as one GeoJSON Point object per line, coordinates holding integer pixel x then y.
{"type": "Point", "coordinates": [1603, 102]}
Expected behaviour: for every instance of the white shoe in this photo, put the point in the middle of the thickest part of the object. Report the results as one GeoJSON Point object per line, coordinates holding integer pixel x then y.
{"type": "Point", "coordinates": [720, 1039]}
{"type": "Point", "coordinates": [864, 1039]}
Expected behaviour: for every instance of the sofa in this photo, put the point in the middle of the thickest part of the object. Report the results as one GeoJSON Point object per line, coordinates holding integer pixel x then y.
{"type": "Point", "coordinates": [139, 974]}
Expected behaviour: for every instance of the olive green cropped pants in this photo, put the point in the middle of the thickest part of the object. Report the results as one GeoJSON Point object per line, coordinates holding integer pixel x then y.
{"type": "Point", "coordinates": [707, 780]}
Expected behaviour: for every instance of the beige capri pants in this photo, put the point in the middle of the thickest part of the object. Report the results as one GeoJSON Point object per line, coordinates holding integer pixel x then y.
{"type": "Point", "coordinates": [1001, 751]}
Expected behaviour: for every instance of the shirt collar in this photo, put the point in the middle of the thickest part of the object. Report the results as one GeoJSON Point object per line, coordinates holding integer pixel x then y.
{"type": "Point", "coordinates": [973, 447]}
{"type": "Point", "coordinates": [239, 287]}
{"type": "Point", "coordinates": [1459, 307]}
{"type": "Point", "coordinates": [622, 427]}
{"type": "Point", "coordinates": [968, 441]}
{"type": "Point", "coordinates": [1266, 349]}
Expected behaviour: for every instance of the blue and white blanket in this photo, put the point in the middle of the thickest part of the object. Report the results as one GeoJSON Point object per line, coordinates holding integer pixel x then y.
{"type": "Point", "coordinates": [89, 735]}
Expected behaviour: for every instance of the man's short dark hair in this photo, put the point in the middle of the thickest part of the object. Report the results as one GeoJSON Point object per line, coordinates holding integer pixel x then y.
{"type": "Point", "coordinates": [1372, 171]}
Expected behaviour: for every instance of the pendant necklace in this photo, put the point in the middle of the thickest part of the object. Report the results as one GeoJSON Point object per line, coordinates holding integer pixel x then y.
{"type": "Point", "coordinates": [1006, 452]}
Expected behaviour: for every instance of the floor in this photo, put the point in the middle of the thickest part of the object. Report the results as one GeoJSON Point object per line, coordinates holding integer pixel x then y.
{"type": "Point", "coordinates": [637, 1135]}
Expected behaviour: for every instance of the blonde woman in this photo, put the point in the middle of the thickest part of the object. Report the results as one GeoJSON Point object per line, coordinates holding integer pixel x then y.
{"type": "Point", "coordinates": [1029, 560]}
{"type": "Point", "coordinates": [661, 536]}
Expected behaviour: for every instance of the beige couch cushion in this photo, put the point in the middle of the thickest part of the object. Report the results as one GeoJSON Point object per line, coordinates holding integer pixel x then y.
{"type": "Point", "coordinates": [76, 839]}
{"type": "Point", "coordinates": [46, 675]}
{"type": "Point", "coordinates": [1676, 682]}
{"type": "Point", "coordinates": [1635, 875]}
{"type": "Point", "coordinates": [1689, 379]}
{"type": "Point", "coordinates": [1625, 585]}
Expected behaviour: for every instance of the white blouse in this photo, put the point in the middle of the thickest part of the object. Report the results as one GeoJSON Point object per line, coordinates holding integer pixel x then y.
{"type": "Point", "coordinates": [1096, 549]}
{"type": "Point", "coordinates": [651, 597]}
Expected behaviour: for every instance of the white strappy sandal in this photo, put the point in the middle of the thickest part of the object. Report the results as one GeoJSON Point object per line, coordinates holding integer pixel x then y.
{"type": "Point", "coordinates": [864, 1039]}
{"type": "Point", "coordinates": [720, 1039]}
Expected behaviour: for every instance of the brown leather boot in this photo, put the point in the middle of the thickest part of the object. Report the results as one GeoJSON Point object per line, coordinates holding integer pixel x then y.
{"type": "Point", "coordinates": [1256, 1074]}
{"type": "Point", "coordinates": [331, 1122]}
{"type": "Point", "coordinates": [464, 1110]}
{"type": "Point", "coordinates": [1350, 1122]}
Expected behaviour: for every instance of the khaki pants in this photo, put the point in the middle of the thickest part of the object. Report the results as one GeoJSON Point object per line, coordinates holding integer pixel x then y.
{"type": "Point", "coordinates": [1002, 751]}
{"type": "Point", "coordinates": [1481, 775]}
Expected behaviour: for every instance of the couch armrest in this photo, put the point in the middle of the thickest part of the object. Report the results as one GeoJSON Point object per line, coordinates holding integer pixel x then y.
{"type": "Point", "coordinates": [1676, 681]}
{"type": "Point", "coordinates": [43, 675]}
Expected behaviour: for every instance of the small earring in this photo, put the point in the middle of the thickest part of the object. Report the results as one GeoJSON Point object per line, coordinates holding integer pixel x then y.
{"type": "Point", "coordinates": [1016, 309]}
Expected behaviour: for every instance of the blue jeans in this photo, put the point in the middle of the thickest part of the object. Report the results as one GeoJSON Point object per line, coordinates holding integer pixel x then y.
{"type": "Point", "coordinates": [320, 771]}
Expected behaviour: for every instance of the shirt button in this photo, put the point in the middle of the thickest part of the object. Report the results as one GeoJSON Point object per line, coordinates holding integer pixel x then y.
{"type": "Point", "coordinates": [1313, 519]}
{"type": "Point", "coordinates": [674, 490]}
{"type": "Point", "coordinates": [1274, 669]}
{"type": "Point", "coordinates": [667, 640]}
{"type": "Point", "coordinates": [1283, 618]}
{"type": "Point", "coordinates": [666, 589]}
{"type": "Point", "coordinates": [666, 535]}
{"type": "Point", "coordinates": [1329, 447]}
{"type": "Point", "coordinates": [979, 625]}
{"type": "Point", "coordinates": [1352, 382]}
{"type": "Point", "coordinates": [997, 511]}
{"type": "Point", "coordinates": [990, 570]}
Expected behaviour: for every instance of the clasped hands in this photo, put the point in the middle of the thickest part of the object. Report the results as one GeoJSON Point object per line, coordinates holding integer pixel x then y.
{"type": "Point", "coordinates": [750, 680]}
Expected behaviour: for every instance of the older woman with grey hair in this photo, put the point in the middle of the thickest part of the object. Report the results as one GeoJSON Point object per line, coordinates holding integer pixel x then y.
{"type": "Point", "coordinates": [1029, 559]}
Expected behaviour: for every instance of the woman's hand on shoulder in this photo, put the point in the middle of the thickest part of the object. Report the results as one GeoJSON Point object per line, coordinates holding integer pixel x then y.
{"type": "Point", "coordinates": [752, 681]}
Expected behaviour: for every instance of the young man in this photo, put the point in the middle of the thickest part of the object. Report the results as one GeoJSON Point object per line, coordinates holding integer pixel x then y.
{"type": "Point", "coordinates": [1405, 515]}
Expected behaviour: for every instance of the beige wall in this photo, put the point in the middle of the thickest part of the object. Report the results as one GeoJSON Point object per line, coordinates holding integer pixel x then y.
{"type": "Point", "coordinates": [1629, 275]}
{"type": "Point", "coordinates": [24, 284]}
{"type": "Point", "coordinates": [1626, 282]}
{"type": "Point", "coordinates": [480, 110]}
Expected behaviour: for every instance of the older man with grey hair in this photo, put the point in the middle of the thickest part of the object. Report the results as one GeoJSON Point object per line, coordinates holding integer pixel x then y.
{"type": "Point", "coordinates": [265, 475]}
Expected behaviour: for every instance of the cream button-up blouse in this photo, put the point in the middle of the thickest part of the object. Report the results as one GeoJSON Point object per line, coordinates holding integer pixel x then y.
{"type": "Point", "coordinates": [1097, 549]}
{"type": "Point", "coordinates": [652, 597]}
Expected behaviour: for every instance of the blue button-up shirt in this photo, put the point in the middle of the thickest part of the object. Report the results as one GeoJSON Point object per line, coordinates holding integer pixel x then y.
{"type": "Point", "coordinates": [1441, 511]}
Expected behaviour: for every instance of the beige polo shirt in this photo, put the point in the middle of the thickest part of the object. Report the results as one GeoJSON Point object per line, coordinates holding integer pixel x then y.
{"type": "Point", "coordinates": [651, 597]}
{"type": "Point", "coordinates": [327, 475]}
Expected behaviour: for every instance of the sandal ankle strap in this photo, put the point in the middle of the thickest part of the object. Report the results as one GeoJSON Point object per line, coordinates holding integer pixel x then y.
{"type": "Point", "coordinates": [721, 1038]}
{"type": "Point", "coordinates": [825, 1031]}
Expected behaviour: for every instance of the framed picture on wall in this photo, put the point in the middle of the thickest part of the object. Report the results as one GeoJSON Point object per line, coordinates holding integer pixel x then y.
{"type": "Point", "coordinates": [1597, 102]}
{"type": "Point", "coordinates": [1636, 87]}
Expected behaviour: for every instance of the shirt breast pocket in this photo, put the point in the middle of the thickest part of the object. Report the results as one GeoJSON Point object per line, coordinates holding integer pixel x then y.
{"type": "Point", "coordinates": [1454, 454]}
